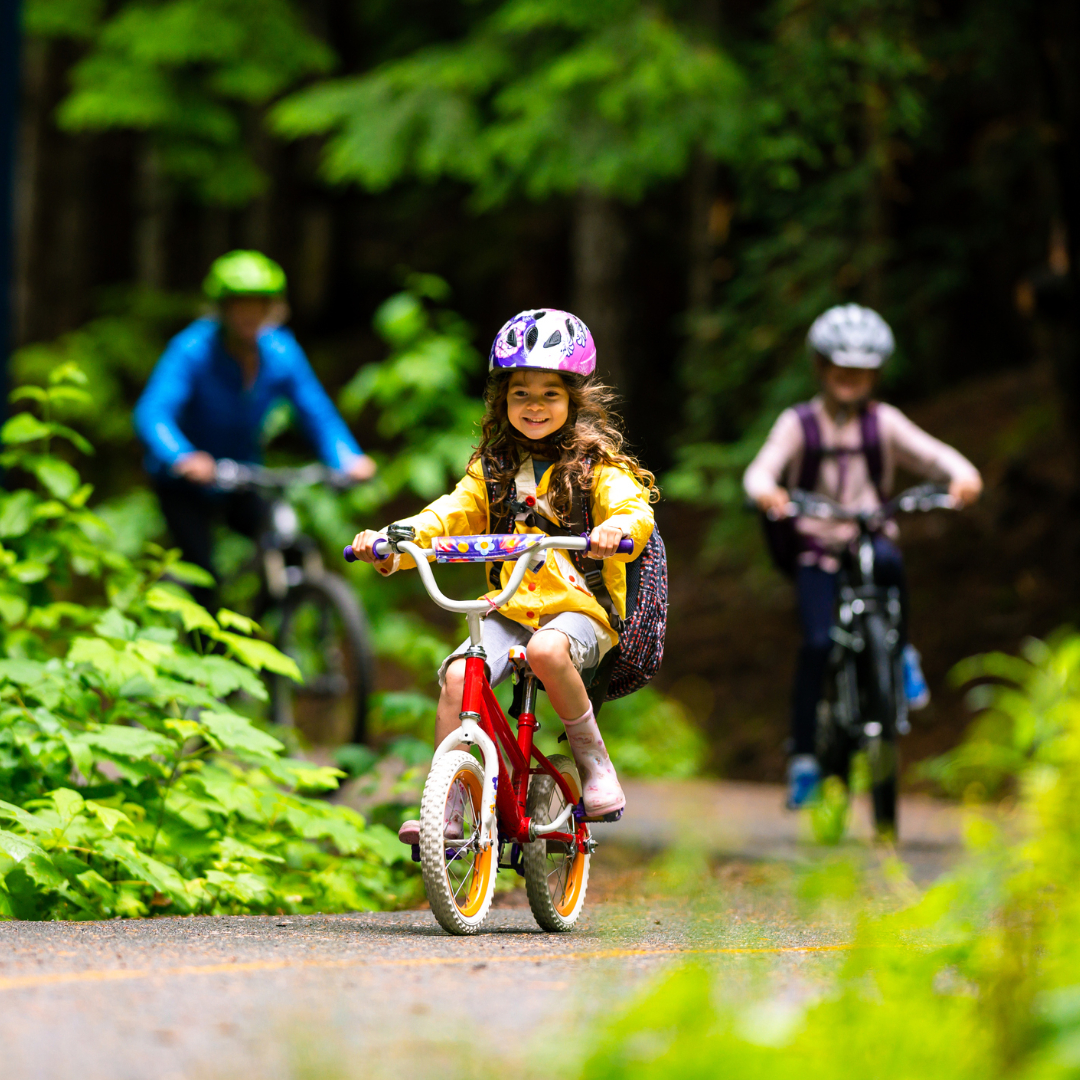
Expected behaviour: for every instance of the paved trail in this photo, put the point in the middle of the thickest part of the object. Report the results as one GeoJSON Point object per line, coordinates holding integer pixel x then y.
{"type": "Point", "coordinates": [388, 994]}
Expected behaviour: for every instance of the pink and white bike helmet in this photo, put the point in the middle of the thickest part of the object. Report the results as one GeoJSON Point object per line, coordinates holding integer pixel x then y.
{"type": "Point", "coordinates": [852, 336]}
{"type": "Point", "coordinates": [545, 340]}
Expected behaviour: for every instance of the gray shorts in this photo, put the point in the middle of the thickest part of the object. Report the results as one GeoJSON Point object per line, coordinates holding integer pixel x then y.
{"type": "Point", "coordinates": [499, 633]}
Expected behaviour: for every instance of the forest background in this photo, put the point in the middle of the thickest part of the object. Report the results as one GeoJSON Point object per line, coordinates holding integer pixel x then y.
{"type": "Point", "coordinates": [696, 179]}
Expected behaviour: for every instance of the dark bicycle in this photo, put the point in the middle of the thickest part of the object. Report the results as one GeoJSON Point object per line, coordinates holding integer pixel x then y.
{"type": "Point", "coordinates": [864, 707]}
{"type": "Point", "coordinates": [315, 616]}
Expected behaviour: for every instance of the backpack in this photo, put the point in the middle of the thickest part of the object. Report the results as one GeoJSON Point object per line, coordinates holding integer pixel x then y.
{"type": "Point", "coordinates": [636, 658]}
{"type": "Point", "coordinates": [781, 536]}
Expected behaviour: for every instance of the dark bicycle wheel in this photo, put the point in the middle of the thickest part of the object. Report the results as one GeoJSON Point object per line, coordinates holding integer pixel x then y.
{"type": "Point", "coordinates": [881, 751]}
{"type": "Point", "coordinates": [837, 711]}
{"type": "Point", "coordinates": [323, 628]}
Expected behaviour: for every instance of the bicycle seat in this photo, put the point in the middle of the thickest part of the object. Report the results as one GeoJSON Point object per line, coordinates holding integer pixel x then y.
{"type": "Point", "coordinates": [518, 658]}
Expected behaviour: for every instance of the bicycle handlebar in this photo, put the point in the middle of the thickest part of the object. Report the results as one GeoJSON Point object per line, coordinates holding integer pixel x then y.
{"type": "Point", "coordinates": [922, 497]}
{"type": "Point", "coordinates": [524, 560]}
{"type": "Point", "coordinates": [237, 475]}
{"type": "Point", "coordinates": [626, 546]}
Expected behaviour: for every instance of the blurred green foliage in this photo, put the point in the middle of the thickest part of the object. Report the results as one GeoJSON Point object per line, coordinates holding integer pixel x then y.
{"type": "Point", "coordinates": [191, 74]}
{"type": "Point", "coordinates": [977, 977]}
{"type": "Point", "coordinates": [129, 782]}
{"type": "Point", "coordinates": [541, 96]}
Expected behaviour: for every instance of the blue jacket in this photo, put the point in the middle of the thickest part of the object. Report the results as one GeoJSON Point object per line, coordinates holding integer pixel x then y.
{"type": "Point", "coordinates": [195, 400]}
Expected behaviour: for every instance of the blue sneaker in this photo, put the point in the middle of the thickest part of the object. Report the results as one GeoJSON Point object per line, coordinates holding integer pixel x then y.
{"type": "Point", "coordinates": [804, 781]}
{"type": "Point", "coordinates": [915, 688]}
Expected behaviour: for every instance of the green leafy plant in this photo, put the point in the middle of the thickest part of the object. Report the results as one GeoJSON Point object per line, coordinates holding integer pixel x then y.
{"type": "Point", "coordinates": [129, 780]}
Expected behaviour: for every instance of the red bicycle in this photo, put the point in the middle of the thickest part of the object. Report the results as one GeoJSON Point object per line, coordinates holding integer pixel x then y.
{"type": "Point", "coordinates": [506, 801]}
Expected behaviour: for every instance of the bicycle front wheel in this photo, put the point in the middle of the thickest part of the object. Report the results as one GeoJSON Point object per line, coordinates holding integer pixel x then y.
{"type": "Point", "coordinates": [881, 751]}
{"type": "Point", "coordinates": [323, 628]}
{"type": "Point", "coordinates": [556, 873]}
{"type": "Point", "coordinates": [459, 875]}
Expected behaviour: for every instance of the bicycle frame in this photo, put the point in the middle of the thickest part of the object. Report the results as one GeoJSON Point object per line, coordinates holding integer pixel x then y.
{"type": "Point", "coordinates": [483, 723]}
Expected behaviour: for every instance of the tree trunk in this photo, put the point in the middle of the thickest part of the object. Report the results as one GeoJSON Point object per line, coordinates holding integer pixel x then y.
{"type": "Point", "coordinates": [152, 226]}
{"type": "Point", "coordinates": [27, 179]}
{"type": "Point", "coordinates": [599, 250]}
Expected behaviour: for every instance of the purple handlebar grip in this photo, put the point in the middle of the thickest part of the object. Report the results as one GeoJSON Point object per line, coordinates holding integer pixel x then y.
{"type": "Point", "coordinates": [351, 556]}
{"type": "Point", "coordinates": [626, 544]}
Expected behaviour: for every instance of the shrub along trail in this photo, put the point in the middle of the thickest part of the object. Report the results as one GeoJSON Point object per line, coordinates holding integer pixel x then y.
{"type": "Point", "coordinates": [376, 994]}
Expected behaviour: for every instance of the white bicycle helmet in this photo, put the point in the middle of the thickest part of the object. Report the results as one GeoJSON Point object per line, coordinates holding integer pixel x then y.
{"type": "Point", "coordinates": [852, 336]}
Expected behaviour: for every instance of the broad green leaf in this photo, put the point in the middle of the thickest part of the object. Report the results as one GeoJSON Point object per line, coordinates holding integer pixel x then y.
{"type": "Point", "coordinates": [230, 619]}
{"type": "Point", "coordinates": [192, 615]}
{"type": "Point", "coordinates": [23, 672]}
{"type": "Point", "coordinates": [28, 821]}
{"type": "Point", "coordinates": [232, 850]}
{"type": "Point", "coordinates": [35, 393]}
{"type": "Point", "coordinates": [236, 733]}
{"type": "Point", "coordinates": [190, 574]}
{"type": "Point", "coordinates": [16, 513]}
{"type": "Point", "coordinates": [60, 479]}
{"type": "Point", "coordinates": [69, 373]}
{"type": "Point", "coordinates": [129, 742]}
{"type": "Point", "coordinates": [24, 427]}
{"type": "Point", "coordinates": [109, 816]}
{"type": "Point", "coordinates": [260, 655]}
{"type": "Point", "coordinates": [219, 674]}
{"type": "Point", "coordinates": [116, 665]}
{"type": "Point", "coordinates": [156, 873]}
{"type": "Point", "coordinates": [29, 571]}
{"type": "Point", "coordinates": [69, 804]}
{"type": "Point", "coordinates": [13, 609]}
{"type": "Point", "coordinates": [40, 868]}
{"type": "Point", "coordinates": [114, 625]}
{"type": "Point", "coordinates": [17, 847]}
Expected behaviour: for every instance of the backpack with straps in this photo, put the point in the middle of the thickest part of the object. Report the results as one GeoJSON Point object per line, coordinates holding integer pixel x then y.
{"type": "Point", "coordinates": [781, 536]}
{"type": "Point", "coordinates": [636, 658]}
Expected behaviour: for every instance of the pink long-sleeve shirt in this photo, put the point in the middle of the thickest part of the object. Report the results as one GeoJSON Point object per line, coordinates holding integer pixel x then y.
{"type": "Point", "coordinates": [846, 478]}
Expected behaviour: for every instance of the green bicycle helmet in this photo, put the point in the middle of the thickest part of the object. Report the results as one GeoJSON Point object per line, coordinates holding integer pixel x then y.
{"type": "Point", "coordinates": [244, 273]}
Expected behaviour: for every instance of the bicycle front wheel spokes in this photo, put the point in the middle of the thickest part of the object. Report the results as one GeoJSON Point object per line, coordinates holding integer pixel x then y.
{"type": "Point", "coordinates": [556, 873]}
{"type": "Point", "coordinates": [459, 875]}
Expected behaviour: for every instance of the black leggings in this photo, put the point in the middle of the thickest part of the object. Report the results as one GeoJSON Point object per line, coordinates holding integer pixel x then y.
{"type": "Point", "coordinates": [191, 510]}
{"type": "Point", "coordinates": [817, 607]}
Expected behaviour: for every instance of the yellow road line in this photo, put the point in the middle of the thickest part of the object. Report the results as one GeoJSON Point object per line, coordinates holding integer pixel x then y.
{"type": "Point", "coordinates": [59, 978]}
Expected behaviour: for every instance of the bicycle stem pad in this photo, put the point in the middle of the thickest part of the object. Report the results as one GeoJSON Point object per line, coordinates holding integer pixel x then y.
{"type": "Point", "coordinates": [484, 548]}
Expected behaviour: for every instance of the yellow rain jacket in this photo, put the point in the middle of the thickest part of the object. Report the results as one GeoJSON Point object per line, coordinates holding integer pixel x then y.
{"type": "Point", "coordinates": [555, 586]}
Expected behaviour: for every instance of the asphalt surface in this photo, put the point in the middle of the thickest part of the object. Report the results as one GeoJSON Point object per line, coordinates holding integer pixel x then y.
{"type": "Point", "coordinates": [389, 994]}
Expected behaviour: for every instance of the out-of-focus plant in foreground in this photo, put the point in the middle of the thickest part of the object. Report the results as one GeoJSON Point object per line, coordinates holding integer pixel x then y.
{"type": "Point", "coordinates": [979, 977]}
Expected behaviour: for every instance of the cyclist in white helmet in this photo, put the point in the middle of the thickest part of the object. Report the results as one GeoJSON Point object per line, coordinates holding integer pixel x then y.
{"type": "Point", "coordinates": [847, 446]}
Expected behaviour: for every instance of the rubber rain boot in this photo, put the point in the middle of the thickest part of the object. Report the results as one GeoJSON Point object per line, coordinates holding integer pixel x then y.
{"type": "Point", "coordinates": [600, 790]}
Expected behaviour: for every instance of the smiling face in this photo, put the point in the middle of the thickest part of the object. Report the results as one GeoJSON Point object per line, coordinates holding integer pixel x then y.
{"type": "Point", "coordinates": [537, 403]}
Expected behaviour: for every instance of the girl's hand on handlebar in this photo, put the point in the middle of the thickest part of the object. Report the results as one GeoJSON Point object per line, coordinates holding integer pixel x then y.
{"type": "Point", "coordinates": [774, 503]}
{"type": "Point", "coordinates": [966, 491]}
{"type": "Point", "coordinates": [604, 541]}
{"type": "Point", "coordinates": [362, 545]}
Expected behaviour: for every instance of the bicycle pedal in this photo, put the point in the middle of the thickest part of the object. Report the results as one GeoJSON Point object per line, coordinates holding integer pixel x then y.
{"type": "Point", "coordinates": [580, 815]}
{"type": "Point", "coordinates": [416, 853]}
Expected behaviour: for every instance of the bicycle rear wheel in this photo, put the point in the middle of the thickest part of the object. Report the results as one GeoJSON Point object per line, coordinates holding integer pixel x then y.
{"type": "Point", "coordinates": [323, 628]}
{"type": "Point", "coordinates": [459, 879]}
{"type": "Point", "coordinates": [556, 876]}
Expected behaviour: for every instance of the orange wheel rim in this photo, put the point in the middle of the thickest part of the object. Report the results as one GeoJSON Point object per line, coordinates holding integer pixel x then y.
{"type": "Point", "coordinates": [567, 887]}
{"type": "Point", "coordinates": [472, 876]}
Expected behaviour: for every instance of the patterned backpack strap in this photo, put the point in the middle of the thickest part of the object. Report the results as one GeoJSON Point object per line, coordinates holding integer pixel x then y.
{"type": "Point", "coordinates": [592, 570]}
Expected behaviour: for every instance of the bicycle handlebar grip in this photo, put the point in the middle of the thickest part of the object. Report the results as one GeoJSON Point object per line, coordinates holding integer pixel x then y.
{"type": "Point", "coordinates": [377, 547]}
{"type": "Point", "coordinates": [626, 544]}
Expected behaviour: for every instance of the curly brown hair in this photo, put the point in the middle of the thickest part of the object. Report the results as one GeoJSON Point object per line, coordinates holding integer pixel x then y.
{"type": "Point", "coordinates": [591, 436]}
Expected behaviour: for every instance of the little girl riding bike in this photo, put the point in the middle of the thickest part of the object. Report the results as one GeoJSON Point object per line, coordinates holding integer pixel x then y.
{"type": "Point", "coordinates": [547, 432]}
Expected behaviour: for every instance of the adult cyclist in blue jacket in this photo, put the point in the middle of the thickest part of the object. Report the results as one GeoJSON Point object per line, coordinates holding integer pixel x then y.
{"type": "Point", "coordinates": [208, 398]}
